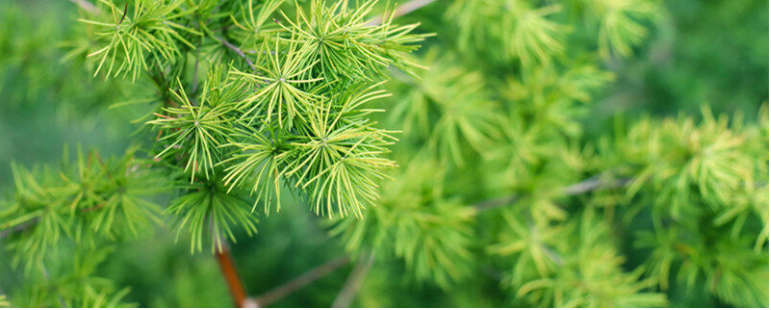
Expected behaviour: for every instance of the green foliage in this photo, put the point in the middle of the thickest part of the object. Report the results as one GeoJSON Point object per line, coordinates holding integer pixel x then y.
{"type": "Point", "coordinates": [455, 102]}
{"type": "Point", "coordinates": [290, 115]}
{"type": "Point", "coordinates": [677, 156]}
{"type": "Point", "coordinates": [78, 288]}
{"type": "Point", "coordinates": [82, 205]}
{"type": "Point", "coordinates": [710, 204]}
{"type": "Point", "coordinates": [531, 34]}
{"type": "Point", "coordinates": [416, 222]}
{"type": "Point", "coordinates": [495, 175]}
{"type": "Point", "coordinates": [136, 41]}
{"type": "Point", "coordinates": [90, 200]}
{"type": "Point", "coordinates": [294, 90]}
{"type": "Point", "coordinates": [621, 23]}
{"type": "Point", "coordinates": [583, 270]}
{"type": "Point", "coordinates": [342, 44]}
{"type": "Point", "coordinates": [208, 209]}
{"type": "Point", "coordinates": [197, 131]}
{"type": "Point", "coordinates": [526, 134]}
{"type": "Point", "coordinates": [680, 70]}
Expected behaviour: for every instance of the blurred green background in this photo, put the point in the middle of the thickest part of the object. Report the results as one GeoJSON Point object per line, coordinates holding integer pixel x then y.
{"type": "Point", "coordinates": [702, 52]}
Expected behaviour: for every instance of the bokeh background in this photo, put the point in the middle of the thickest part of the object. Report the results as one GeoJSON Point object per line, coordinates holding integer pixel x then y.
{"type": "Point", "coordinates": [701, 52]}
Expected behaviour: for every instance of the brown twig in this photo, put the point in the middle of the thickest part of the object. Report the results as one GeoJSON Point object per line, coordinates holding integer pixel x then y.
{"type": "Point", "coordinates": [236, 286]}
{"type": "Point", "coordinates": [301, 281]}
{"type": "Point", "coordinates": [354, 281]}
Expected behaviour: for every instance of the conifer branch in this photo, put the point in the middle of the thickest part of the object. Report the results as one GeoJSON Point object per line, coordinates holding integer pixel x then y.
{"type": "Point", "coordinates": [241, 137]}
{"type": "Point", "coordinates": [301, 281]}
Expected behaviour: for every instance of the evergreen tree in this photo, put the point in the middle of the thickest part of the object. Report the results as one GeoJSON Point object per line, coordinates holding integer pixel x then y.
{"type": "Point", "coordinates": [468, 167]}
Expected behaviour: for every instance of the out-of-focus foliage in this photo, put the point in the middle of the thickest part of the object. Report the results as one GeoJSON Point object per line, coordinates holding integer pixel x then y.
{"type": "Point", "coordinates": [584, 153]}
{"type": "Point", "coordinates": [703, 52]}
{"type": "Point", "coordinates": [705, 187]}
{"type": "Point", "coordinates": [417, 222]}
{"type": "Point", "coordinates": [94, 198]}
{"type": "Point", "coordinates": [77, 288]}
{"type": "Point", "coordinates": [576, 266]}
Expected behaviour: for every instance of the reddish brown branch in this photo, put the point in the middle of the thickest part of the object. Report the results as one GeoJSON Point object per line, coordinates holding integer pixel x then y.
{"type": "Point", "coordinates": [236, 286]}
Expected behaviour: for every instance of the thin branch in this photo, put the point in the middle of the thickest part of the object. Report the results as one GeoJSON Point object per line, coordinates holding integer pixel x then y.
{"type": "Point", "coordinates": [236, 50]}
{"type": "Point", "coordinates": [404, 9]}
{"type": "Point", "coordinates": [229, 271]}
{"type": "Point", "coordinates": [236, 286]}
{"type": "Point", "coordinates": [496, 202]}
{"type": "Point", "coordinates": [301, 281]}
{"type": "Point", "coordinates": [354, 281]}
{"type": "Point", "coordinates": [593, 183]}
{"type": "Point", "coordinates": [584, 186]}
{"type": "Point", "coordinates": [86, 6]}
